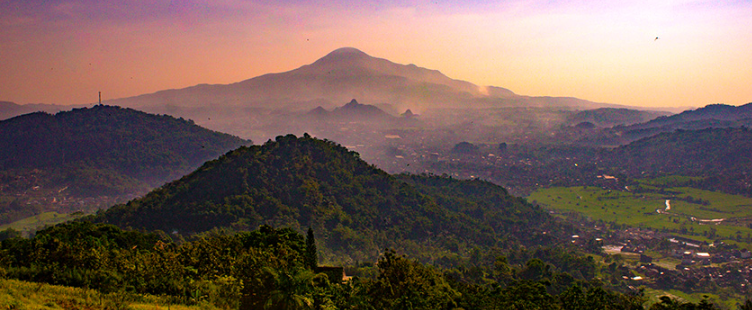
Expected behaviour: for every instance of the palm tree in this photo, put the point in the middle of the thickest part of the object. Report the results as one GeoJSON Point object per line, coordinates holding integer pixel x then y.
{"type": "Point", "coordinates": [289, 289]}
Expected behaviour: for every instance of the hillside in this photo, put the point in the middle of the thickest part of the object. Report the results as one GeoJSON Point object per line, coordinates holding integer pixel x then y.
{"type": "Point", "coordinates": [358, 209]}
{"type": "Point", "coordinates": [690, 151]}
{"type": "Point", "coordinates": [609, 117]}
{"type": "Point", "coordinates": [722, 157]}
{"type": "Point", "coordinates": [97, 152]}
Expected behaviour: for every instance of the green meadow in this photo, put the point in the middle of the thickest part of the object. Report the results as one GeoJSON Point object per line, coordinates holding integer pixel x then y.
{"type": "Point", "coordinates": [654, 295]}
{"type": "Point", "coordinates": [33, 223]}
{"type": "Point", "coordinates": [640, 209]}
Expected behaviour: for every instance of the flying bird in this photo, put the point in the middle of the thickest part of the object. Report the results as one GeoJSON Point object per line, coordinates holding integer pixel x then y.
{"type": "Point", "coordinates": [656, 38]}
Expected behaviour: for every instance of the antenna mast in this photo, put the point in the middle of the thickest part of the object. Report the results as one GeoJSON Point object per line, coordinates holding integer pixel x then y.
{"type": "Point", "coordinates": [100, 98]}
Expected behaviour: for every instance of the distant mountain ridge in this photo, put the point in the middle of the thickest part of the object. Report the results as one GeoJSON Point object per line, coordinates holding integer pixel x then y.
{"type": "Point", "coordinates": [609, 117]}
{"type": "Point", "coordinates": [720, 112]}
{"type": "Point", "coordinates": [710, 116]}
{"type": "Point", "coordinates": [10, 109]}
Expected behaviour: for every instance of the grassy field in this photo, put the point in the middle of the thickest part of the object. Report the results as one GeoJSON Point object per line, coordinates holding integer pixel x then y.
{"type": "Point", "coordinates": [640, 210]}
{"type": "Point", "coordinates": [654, 295]}
{"type": "Point", "coordinates": [31, 224]}
{"type": "Point", "coordinates": [16, 294]}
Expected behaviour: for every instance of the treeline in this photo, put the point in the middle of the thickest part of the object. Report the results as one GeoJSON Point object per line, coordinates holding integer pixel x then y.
{"type": "Point", "coordinates": [273, 269]}
{"type": "Point", "coordinates": [217, 268]}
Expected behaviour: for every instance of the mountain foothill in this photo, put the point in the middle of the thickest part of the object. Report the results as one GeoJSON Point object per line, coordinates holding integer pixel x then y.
{"type": "Point", "coordinates": [68, 160]}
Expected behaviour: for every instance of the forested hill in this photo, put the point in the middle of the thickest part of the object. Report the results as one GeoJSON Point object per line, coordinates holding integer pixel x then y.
{"type": "Point", "coordinates": [105, 149]}
{"type": "Point", "coordinates": [688, 152]}
{"type": "Point", "coordinates": [355, 208]}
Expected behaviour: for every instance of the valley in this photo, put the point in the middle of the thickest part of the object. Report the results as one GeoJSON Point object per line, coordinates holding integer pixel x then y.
{"type": "Point", "coordinates": [675, 237]}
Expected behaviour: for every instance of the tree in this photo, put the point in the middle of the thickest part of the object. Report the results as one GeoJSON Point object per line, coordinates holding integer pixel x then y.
{"type": "Point", "coordinates": [405, 284]}
{"type": "Point", "coordinates": [746, 306]}
{"type": "Point", "coordinates": [535, 270]}
{"type": "Point", "coordinates": [9, 233]}
{"type": "Point", "coordinates": [284, 290]}
{"type": "Point", "coordinates": [527, 295]}
{"type": "Point", "coordinates": [503, 272]}
{"type": "Point", "coordinates": [311, 254]}
{"type": "Point", "coordinates": [502, 147]}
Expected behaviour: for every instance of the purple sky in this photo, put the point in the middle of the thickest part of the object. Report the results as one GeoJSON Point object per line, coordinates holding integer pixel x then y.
{"type": "Point", "coordinates": [64, 52]}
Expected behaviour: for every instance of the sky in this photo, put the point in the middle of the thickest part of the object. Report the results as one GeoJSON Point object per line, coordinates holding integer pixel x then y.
{"type": "Point", "coordinates": [65, 52]}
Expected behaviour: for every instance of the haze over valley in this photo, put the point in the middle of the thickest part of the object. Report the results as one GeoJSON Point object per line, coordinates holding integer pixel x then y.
{"type": "Point", "coordinates": [375, 155]}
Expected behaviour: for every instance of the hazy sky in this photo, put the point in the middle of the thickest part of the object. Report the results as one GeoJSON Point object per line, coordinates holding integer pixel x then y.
{"type": "Point", "coordinates": [64, 52]}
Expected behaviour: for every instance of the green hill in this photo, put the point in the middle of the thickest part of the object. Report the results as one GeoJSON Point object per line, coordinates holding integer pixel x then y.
{"type": "Point", "coordinates": [53, 162]}
{"type": "Point", "coordinates": [690, 152]}
{"type": "Point", "coordinates": [720, 158]}
{"type": "Point", "coordinates": [356, 208]}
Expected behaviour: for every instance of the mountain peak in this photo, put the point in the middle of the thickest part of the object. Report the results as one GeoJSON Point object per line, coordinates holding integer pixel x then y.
{"type": "Point", "coordinates": [352, 104]}
{"type": "Point", "coordinates": [347, 51]}
{"type": "Point", "coordinates": [408, 114]}
{"type": "Point", "coordinates": [344, 54]}
{"type": "Point", "coordinates": [356, 110]}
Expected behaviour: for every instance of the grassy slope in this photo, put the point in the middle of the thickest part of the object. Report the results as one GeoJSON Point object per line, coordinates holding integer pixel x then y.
{"type": "Point", "coordinates": [32, 223]}
{"type": "Point", "coordinates": [16, 294]}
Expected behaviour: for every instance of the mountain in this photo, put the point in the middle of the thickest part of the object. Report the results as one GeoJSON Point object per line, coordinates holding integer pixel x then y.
{"type": "Point", "coordinates": [355, 110]}
{"type": "Point", "coordinates": [100, 151]}
{"type": "Point", "coordinates": [357, 208]}
{"type": "Point", "coordinates": [352, 111]}
{"type": "Point", "coordinates": [341, 75]}
{"type": "Point", "coordinates": [251, 108]}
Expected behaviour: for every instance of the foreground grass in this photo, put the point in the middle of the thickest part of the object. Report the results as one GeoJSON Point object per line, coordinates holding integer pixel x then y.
{"type": "Point", "coordinates": [16, 294]}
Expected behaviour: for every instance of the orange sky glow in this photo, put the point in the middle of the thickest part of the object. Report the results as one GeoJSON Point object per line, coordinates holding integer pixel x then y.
{"type": "Point", "coordinates": [64, 52]}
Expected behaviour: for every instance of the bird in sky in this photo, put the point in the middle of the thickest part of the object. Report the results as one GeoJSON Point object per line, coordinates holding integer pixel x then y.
{"type": "Point", "coordinates": [656, 38]}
